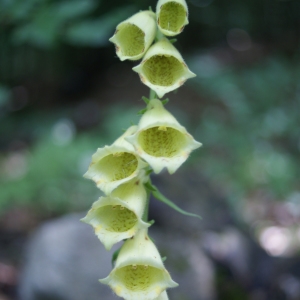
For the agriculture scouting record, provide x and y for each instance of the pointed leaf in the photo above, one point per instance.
(159, 196)
(150, 187)
(148, 172)
(115, 256)
(146, 100)
(165, 101)
(142, 111)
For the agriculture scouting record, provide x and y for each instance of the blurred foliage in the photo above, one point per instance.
(251, 127)
(4, 95)
(37, 36)
(47, 175)
(44, 23)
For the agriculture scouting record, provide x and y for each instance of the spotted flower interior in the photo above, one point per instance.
(172, 17)
(140, 278)
(161, 141)
(163, 70)
(114, 218)
(116, 166)
(130, 39)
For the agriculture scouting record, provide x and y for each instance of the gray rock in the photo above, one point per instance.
(64, 261)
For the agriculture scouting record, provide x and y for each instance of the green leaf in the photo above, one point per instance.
(150, 187)
(115, 256)
(165, 101)
(148, 171)
(142, 111)
(146, 100)
(159, 196)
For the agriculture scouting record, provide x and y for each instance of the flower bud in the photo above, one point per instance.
(134, 36)
(139, 272)
(115, 164)
(172, 16)
(163, 69)
(119, 216)
(161, 140)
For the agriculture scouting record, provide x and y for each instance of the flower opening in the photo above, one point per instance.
(134, 36)
(139, 272)
(163, 68)
(161, 140)
(171, 16)
(115, 164)
(119, 216)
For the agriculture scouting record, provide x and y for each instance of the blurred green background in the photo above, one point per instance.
(63, 93)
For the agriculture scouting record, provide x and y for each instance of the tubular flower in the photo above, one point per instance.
(171, 16)
(139, 272)
(161, 140)
(134, 36)
(118, 216)
(163, 68)
(115, 164)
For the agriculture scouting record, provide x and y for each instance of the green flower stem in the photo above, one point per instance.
(159, 36)
(152, 94)
(146, 211)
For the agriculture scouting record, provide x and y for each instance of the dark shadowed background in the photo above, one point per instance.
(64, 93)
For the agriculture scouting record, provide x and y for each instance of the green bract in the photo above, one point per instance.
(115, 164)
(163, 68)
(139, 272)
(134, 36)
(161, 140)
(171, 16)
(119, 216)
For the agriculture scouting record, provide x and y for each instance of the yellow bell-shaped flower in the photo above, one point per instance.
(139, 272)
(163, 68)
(134, 36)
(119, 216)
(161, 140)
(171, 16)
(115, 164)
